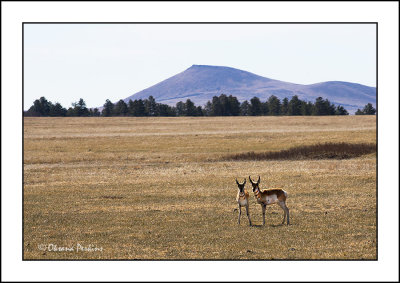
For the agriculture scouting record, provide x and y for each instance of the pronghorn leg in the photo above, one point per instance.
(282, 204)
(240, 213)
(248, 214)
(263, 212)
(287, 214)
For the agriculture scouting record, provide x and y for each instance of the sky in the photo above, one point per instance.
(66, 62)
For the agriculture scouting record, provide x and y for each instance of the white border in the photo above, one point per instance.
(386, 14)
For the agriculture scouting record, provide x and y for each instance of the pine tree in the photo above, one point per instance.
(216, 107)
(71, 112)
(234, 106)
(341, 111)
(265, 108)
(294, 108)
(306, 108)
(207, 111)
(180, 109)
(245, 108)
(189, 109)
(95, 112)
(131, 106)
(310, 108)
(199, 111)
(255, 106)
(108, 108)
(40, 107)
(136, 108)
(44, 106)
(165, 110)
(369, 109)
(320, 107)
(120, 108)
(285, 106)
(274, 105)
(224, 104)
(81, 109)
(57, 110)
(78, 109)
(151, 106)
(330, 108)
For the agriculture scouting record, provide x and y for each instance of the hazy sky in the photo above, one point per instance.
(65, 62)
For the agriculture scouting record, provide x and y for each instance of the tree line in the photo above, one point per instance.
(222, 105)
(367, 110)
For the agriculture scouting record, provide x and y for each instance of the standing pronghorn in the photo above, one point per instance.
(243, 200)
(270, 196)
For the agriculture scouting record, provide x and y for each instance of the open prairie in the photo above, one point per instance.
(161, 188)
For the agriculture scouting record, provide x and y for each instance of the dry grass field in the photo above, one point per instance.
(161, 188)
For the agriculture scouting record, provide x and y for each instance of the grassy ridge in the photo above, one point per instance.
(329, 150)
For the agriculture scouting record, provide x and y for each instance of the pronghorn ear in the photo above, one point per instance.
(258, 179)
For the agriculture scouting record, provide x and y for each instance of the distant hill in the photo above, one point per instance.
(200, 83)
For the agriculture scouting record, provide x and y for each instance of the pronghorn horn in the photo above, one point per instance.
(250, 180)
(244, 181)
(237, 181)
(258, 179)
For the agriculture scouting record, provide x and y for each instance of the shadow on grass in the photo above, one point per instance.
(269, 225)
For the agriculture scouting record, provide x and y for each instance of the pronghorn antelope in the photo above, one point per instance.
(243, 200)
(270, 196)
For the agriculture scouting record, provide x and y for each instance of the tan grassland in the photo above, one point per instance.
(156, 188)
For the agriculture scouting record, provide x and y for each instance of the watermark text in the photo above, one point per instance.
(72, 248)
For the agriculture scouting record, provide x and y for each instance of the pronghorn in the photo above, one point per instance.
(270, 196)
(243, 200)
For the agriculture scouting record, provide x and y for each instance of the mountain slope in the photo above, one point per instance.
(200, 83)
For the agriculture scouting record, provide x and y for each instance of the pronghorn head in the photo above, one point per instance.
(255, 184)
(241, 185)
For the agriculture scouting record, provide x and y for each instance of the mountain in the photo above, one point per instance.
(200, 83)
